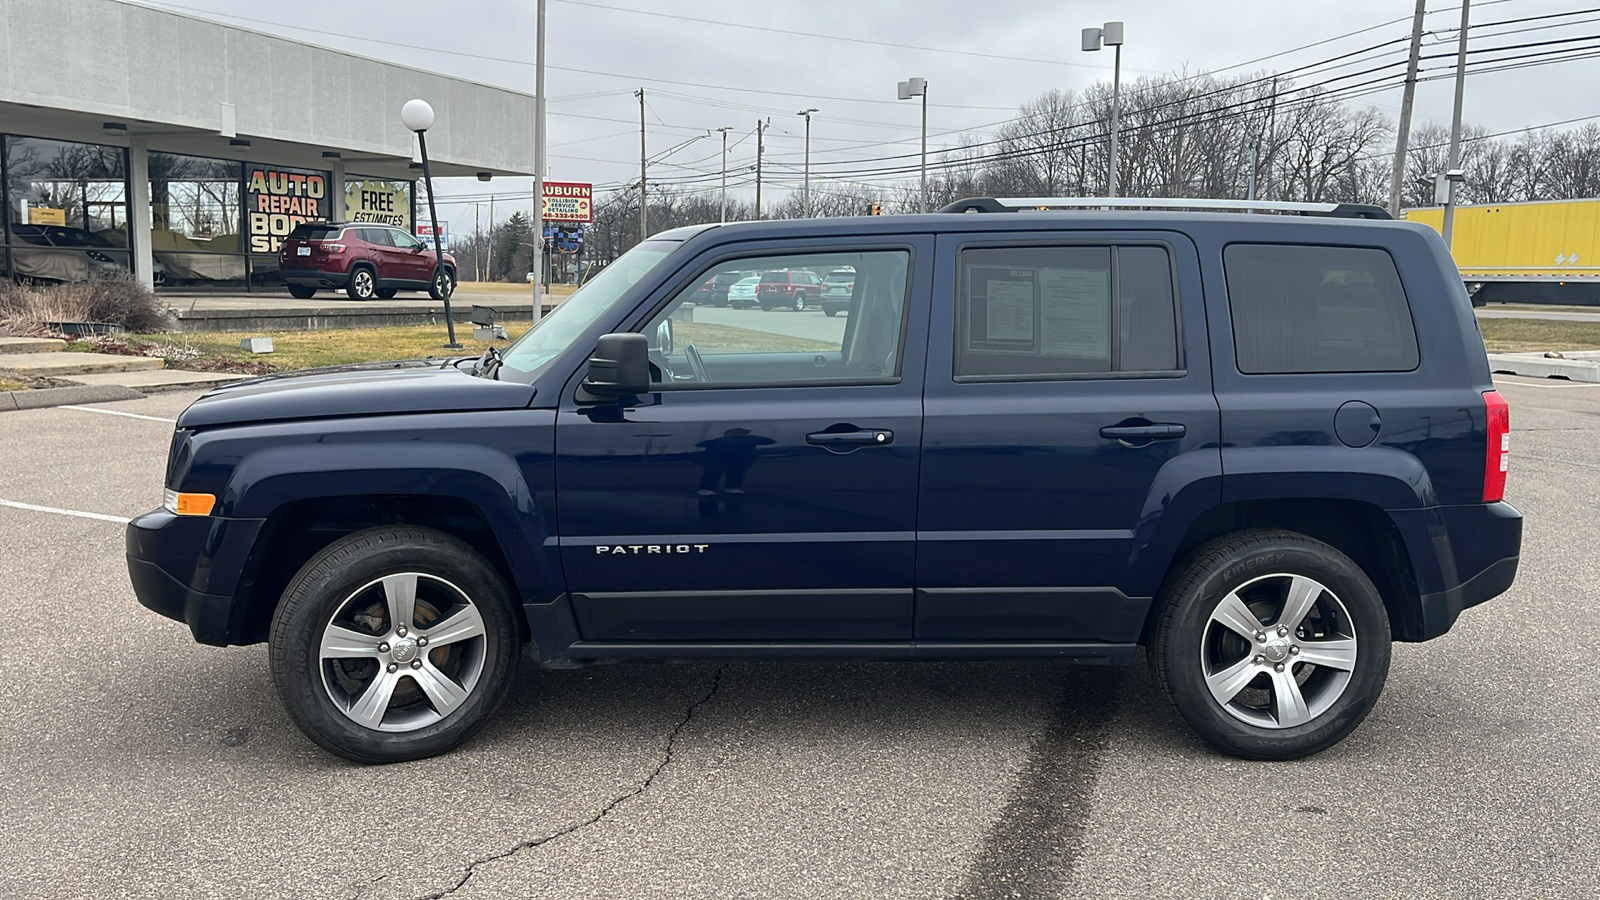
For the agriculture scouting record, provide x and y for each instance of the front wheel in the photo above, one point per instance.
(1270, 644)
(393, 643)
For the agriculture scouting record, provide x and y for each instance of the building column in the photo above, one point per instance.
(337, 188)
(139, 224)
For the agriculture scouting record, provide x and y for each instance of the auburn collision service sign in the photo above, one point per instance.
(568, 201)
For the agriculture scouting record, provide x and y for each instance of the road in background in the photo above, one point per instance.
(140, 764)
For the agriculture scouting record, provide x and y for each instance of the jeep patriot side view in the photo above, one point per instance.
(1262, 446)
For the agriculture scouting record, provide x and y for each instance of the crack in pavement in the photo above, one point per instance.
(666, 759)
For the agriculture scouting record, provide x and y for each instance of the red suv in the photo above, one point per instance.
(364, 259)
(797, 290)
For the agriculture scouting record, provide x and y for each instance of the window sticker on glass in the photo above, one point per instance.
(1075, 313)
(1002, 310)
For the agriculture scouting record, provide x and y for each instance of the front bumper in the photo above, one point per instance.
(188, 568)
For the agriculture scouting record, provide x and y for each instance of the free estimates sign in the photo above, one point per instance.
(568, 201)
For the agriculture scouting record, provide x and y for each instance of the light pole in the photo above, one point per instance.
(538, 173)
(418, 117)
(723, 215)
(1454, 174)
(1110, 34)
(918, 87)
(805, 190)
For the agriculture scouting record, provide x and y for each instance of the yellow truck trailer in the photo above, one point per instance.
(1539, 252)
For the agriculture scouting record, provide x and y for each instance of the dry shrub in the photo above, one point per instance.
(120, 300)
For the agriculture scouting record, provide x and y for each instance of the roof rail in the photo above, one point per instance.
(1017, 204)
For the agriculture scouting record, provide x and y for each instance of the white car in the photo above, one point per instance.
(742, 293)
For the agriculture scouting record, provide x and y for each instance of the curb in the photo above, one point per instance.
(40, 398)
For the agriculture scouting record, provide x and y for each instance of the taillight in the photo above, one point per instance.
(327, 247)
(1497, 459)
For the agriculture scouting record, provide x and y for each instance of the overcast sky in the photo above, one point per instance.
(981, 59)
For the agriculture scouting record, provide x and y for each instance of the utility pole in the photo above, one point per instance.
(761, 126)
(491, 237)
(1403, 132)
(477, 234)
(1455, 123)
(644, 215)
(723, 215)
(1255, 161)
(538, 174)
(805, 190)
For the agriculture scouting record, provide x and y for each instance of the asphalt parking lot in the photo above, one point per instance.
(136, 763)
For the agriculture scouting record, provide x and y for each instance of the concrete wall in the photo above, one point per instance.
(122, 62)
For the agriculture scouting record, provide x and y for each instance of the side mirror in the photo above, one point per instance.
(619, 367)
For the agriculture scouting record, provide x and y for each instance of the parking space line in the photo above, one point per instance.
(121, 520)
(118, 412)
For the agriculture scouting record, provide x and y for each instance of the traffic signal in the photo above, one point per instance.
(876, 209)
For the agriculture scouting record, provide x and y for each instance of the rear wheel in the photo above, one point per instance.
(799, 302)
(830, 312)
(387, 293)
(444, 284)
(1271, 645)
(302, 291)
(393, 643)
(363, 284)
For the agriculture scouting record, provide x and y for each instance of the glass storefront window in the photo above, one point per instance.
(194, 218)
(65, 213)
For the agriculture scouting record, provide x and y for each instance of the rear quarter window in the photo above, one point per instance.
(1300, 308)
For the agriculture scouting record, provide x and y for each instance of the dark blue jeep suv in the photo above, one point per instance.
(1262, 446)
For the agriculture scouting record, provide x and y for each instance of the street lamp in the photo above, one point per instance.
(723, 215)
(805, 191)
(418, 117)
(918, 87)
(1110, 34)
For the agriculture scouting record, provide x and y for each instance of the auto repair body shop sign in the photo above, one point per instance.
(567, 201)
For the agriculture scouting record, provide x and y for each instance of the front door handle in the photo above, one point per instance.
(865, 437)
(1151, 432)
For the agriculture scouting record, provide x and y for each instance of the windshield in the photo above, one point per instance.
(555, 332)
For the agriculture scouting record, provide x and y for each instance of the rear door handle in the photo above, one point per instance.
(865, 437)
(1152, 432)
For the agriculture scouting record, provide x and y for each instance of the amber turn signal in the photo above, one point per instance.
(189, 504)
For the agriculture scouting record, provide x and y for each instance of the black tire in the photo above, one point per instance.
(387, 293)
(799, 303)
(363, 283)
(302, 291)
(448, 577)
(830, 313)
(1327, 701)
(443, 284)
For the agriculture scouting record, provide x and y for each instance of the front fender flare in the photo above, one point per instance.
(492, 481)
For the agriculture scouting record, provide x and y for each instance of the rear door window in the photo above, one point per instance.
(1308, 309)
(377, 236)
(1061, 311)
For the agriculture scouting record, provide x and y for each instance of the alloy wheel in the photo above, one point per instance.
(402, 652)
(1278, 651)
